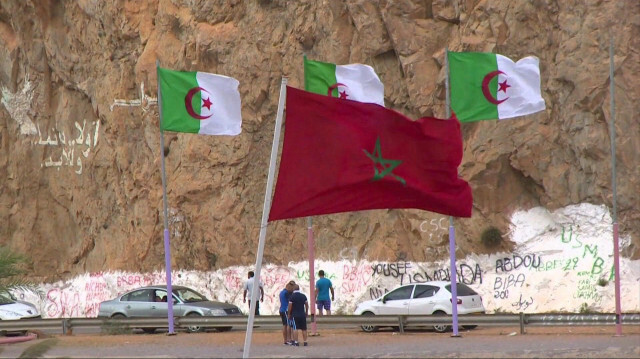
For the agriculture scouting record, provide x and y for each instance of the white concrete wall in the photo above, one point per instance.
(558, 261)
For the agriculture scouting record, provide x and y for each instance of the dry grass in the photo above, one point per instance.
(38, 350)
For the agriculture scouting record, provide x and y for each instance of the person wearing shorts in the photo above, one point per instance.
(297, 313)
(284, 306)
(323, 287)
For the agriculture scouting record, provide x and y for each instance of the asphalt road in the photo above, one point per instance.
(552, 342)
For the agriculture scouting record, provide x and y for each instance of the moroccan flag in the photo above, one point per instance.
(199, 102)
(355, 82)
(342, 156)
(486, 86)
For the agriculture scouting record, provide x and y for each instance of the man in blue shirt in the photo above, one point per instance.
(323, 286)
(297, 313)
(285, 294)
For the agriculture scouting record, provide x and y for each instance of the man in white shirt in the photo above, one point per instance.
(248, 287)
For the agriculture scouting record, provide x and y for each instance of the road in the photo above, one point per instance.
(546, 342)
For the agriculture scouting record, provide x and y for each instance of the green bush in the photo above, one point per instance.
(584, 309)
(491, 237)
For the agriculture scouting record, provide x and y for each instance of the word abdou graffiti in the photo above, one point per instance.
(516, 261)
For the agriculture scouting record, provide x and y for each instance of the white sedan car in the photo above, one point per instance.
(13, 309)
(423, 299)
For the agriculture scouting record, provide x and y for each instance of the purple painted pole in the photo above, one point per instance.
(616, 245)
(454, 285)
(312, 284)
(616, 261)
(167, 244)
(167, 264)
(452, 230)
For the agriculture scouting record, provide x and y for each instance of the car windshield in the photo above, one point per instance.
(7, 298)
(189, 295)
(463, 290)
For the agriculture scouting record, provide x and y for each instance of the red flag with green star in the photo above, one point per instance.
(343, 156)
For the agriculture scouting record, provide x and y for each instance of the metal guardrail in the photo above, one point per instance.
(66, 325)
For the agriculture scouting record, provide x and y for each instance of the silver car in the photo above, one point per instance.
(429, 298)
(152, 302)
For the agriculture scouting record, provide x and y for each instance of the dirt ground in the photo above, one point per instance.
(487, 342)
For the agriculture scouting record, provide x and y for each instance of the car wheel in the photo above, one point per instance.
(194, 328)
(223, 329)
(469, 327)
(118, 316)
(441, 328)
(369, 328)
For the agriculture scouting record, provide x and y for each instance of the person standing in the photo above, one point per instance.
(297, 313)
(285, 294)
(323, 287)
(248, 287)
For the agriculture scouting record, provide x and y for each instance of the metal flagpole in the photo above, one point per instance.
(452, 230)
(167, 245)
(616, 249)
(311, 248)
(265, 217)
(312, 283)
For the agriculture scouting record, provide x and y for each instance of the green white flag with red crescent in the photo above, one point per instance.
(199, 102)
(486, 86)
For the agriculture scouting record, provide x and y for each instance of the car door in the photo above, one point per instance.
(160, 308)
(396, 302)
(139, 303)
(423, 299)
(179, 307)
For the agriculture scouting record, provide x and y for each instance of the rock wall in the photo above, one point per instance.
(79, 140)
(560, 263)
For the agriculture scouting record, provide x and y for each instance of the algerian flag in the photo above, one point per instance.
(199, 102)
(487, 86)
(356, 82)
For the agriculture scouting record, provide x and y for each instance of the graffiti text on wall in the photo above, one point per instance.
(465, 273)
(74, 147)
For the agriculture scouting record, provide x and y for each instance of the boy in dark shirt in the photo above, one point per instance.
(297, 312)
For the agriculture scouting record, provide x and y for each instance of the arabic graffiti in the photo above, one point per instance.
(144, 101)
(73, 149)
(522, 304)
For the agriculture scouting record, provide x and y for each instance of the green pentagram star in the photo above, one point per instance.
(383, 166)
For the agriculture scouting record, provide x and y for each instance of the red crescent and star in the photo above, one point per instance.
(502, 86)
(342, 94)
(205, 103)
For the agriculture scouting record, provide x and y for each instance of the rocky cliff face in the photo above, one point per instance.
(81, 187)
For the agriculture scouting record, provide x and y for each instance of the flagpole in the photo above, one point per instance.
(452, 230)
(265, 217)
(167, 245)
(311, 247)
(616, 245)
